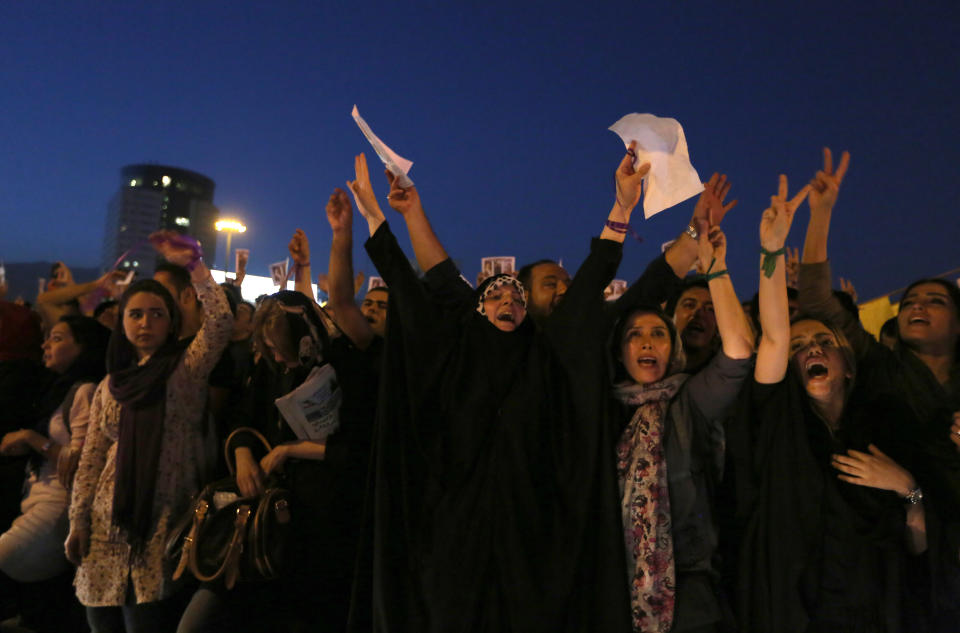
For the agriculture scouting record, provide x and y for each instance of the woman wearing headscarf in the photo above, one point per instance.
(494, 484)
(671, 451)
(140, 464)
(830, 510)
(923, 368)
(325, 476)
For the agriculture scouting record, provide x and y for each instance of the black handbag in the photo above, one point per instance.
(225, 535)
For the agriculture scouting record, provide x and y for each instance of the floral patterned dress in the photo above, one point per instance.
(111, 565)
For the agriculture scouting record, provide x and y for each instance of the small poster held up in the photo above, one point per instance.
(241, 257)
(313, 409)
(396, 164)
(278, 273)
(376, 282)
(615, 289)
(490, 266)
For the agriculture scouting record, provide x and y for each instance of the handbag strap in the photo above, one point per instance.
(229, 456)
(230, 567)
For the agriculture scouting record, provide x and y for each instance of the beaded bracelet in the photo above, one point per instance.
(617, 227)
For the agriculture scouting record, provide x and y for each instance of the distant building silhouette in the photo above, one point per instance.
(153, 197)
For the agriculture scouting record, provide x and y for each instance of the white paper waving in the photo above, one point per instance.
(398, 165)
(313, 409)
(660, 142)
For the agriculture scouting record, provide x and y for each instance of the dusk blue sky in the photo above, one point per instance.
(504, 109)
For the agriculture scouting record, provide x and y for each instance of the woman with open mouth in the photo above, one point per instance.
(494, 502)
(670, 452)
(923, 368)
(830, 514)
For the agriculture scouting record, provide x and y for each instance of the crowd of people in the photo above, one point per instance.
(521, 456)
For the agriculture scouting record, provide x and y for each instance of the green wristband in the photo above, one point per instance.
(770, 260)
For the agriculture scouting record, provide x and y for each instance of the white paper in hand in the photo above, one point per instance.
(313, 409)
(660, 142)
(398, 165)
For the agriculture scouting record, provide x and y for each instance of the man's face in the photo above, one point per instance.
(695, 319)
(374, 310)
(243, 322)
(548, 284)
(166, 281)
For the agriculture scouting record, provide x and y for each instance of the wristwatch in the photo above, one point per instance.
(691, 230)
(914, 497)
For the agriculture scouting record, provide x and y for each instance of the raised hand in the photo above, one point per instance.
(299, 248)
(63, 276)
(630, 180)
(776, 220)
(111, 279)
(323, 283)
(402, 200)
(712, 249)
(339, 211)
(847, 286)
(825, 185)
(710, 206)
(793, 267)
(176, 248)
(874, 470)
(362, 189)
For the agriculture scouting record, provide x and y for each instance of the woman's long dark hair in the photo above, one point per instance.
(88, 366)
(953, 292)
(121, 353)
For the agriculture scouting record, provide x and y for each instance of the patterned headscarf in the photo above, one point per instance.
(493, 284)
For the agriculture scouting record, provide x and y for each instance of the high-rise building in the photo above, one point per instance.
(153, 197)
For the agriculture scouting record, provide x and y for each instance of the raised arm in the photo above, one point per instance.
(735, 333)
(363, 195)
(426, 246)
(774, 351)
(299, 248)
(210, 341)
(815, 286)
(340, 277)
(629, 187)
(824, 189)
(711, 209)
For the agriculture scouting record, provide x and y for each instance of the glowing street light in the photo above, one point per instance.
(230, 227)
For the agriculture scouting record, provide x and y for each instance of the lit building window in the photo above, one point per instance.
(182, 221)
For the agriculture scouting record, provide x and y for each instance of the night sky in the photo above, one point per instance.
(504, 109)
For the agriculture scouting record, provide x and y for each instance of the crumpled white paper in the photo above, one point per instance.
(660, 142)
(398, 165)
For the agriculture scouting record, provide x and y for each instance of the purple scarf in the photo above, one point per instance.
(141, 391)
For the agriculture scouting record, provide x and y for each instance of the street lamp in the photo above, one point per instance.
(230, 227)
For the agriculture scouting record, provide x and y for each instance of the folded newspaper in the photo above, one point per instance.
(313, 409)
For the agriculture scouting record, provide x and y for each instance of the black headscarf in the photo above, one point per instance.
(141, 390)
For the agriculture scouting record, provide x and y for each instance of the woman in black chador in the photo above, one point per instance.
(495, 504)
(831, 515)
